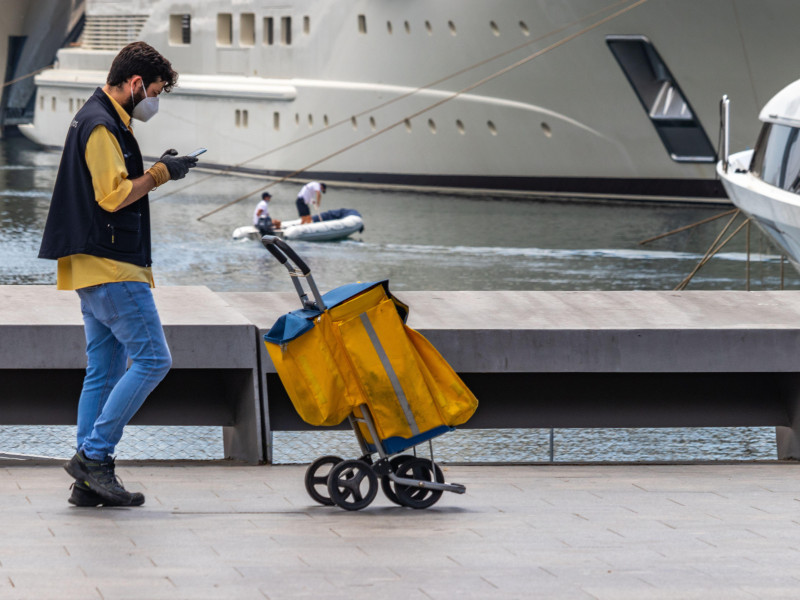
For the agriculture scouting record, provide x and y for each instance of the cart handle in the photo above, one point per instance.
(275, 245)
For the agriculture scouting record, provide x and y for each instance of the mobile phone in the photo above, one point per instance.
(197, 152)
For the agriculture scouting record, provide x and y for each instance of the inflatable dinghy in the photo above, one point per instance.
(330, 225)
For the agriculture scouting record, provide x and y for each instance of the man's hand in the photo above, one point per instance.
(178, 166)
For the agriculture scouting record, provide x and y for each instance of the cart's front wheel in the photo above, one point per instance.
(317, 478)
(352, 484)
(386, 483)
(420, 469)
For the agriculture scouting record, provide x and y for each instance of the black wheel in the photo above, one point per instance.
(386, 483)
(420, 469)
(317, 479)
(352, 484)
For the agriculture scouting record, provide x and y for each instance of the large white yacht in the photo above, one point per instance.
(579, 97)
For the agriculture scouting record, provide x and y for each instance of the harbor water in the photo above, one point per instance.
(419, 241)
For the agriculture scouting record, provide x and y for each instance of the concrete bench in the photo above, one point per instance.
(214, 379)
(600, 359)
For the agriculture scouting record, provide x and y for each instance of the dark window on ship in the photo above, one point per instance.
(180, 30)
(362, 24)
(306, 25)
(269, 31)
(247, 29)
(776, 158)
(286, 31)
(224, 29)
(662, 99)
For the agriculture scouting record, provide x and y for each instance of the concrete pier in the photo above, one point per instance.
(533, 359)
(519, 532)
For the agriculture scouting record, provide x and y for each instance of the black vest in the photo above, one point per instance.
(76, 224)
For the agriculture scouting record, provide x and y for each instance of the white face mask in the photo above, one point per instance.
(147, 108)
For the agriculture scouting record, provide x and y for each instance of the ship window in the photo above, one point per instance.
(372, 123)
(276, 121)
(492, 128)
(662, 99)
(41, 102)
(238, 118)
(389, 27)
(362, 24)
(310, 120)
(71, 105)
(452, 27)
(408, 125)
(244, 119)
(524, 28)
(460, 127)
(354, 123)
(546, 129)
(269, 31)
(53, 103)
(180, 30)
(776, 158)
(306, 25)
(407, 26)
(495, 29)
(428, 27)
(247, 29)
(432, 125)
(286, 31)
(224, 29)
(325, 120)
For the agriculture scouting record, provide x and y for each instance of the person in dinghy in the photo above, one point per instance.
(262, 221)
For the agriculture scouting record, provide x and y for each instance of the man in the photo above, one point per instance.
(265, 224)
(311, 193)
(98, 228)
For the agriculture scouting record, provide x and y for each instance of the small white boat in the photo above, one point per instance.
(328, 226)
(765, 182)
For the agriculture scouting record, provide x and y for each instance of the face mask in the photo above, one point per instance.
(147, 108)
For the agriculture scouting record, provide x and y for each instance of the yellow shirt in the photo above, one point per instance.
(111, 187)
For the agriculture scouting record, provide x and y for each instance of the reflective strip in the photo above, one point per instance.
(398, 390)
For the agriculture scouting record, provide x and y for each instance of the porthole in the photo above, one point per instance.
(492, 128)
(460, 126)
(297, 118)
(310, 120)
(408, 125)
(372, 123)
(407, 26)
(354, 123)
(325, 120)
(389, 27)
(428, 27)
(546, 130)
(495, 28)
(432, 126)
(452, 27)
(276, 121)
(525, 31)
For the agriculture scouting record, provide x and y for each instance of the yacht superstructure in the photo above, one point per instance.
(611, 98)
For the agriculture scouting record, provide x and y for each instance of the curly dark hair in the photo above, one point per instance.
(141, 59)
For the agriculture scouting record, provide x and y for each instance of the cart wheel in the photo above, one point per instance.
(314, 478)
(386, 483)
(421, 470)
(346, 484)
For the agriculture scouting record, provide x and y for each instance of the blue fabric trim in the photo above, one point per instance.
(396, 444)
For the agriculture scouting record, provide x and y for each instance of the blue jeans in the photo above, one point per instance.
(120, 320)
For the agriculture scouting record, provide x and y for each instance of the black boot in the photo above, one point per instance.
(100, 478)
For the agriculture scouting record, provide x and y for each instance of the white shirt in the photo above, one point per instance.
(309, 192)
(263, 206)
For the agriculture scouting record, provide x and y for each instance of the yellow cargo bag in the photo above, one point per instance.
(359, 351)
